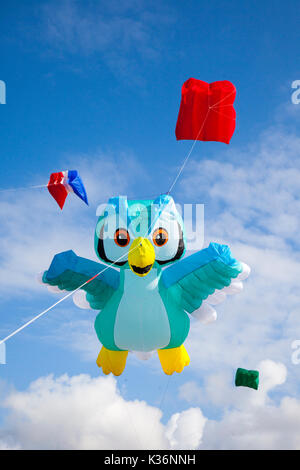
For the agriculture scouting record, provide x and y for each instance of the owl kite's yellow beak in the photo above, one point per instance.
(141, 256)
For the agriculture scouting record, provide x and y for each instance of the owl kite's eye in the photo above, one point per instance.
(160, 237)
(122, 237)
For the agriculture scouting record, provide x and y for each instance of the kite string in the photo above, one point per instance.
(23, 188)
(216, 110)
(29, 187)
(188, 155)
(48, 309)
(58, 302)
(199, 132)
(223, 99)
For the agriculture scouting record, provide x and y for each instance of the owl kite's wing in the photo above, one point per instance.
(203, 279)
(69, 271)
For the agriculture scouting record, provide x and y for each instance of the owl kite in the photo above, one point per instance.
(146, 290)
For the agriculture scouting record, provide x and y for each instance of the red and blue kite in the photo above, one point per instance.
(65, 182)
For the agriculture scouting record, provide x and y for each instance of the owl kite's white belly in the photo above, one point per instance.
(141, 322)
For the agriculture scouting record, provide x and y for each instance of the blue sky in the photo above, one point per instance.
(96, 87)
(66, 95)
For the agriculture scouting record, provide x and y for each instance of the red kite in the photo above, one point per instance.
(206, 111)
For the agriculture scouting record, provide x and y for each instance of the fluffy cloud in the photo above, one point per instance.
(81, 412)
(185, 429)
(267, 427)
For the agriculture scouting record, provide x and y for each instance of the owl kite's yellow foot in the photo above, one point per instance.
(112, 361)
(174, 359)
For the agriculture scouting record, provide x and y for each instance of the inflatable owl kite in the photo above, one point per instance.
(146, 290)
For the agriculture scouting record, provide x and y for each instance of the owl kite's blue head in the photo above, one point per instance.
(140, 233)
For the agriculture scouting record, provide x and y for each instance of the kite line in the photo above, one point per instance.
(210, 108)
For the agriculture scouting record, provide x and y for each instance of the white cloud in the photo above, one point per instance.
(267, 427)
(81, 412)
(272, 374)
(185, 429)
